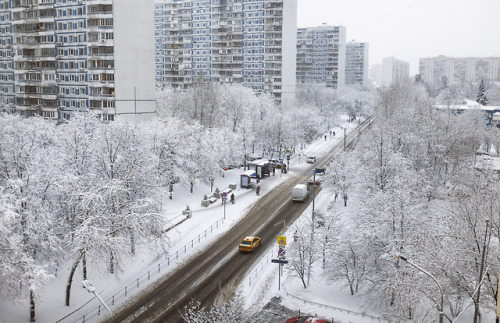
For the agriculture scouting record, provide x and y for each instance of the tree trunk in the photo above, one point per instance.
(84, 265)
(32, 306)
(112, 263)
(303, 281)
(324, 251)
(132, 241)
(70, 279)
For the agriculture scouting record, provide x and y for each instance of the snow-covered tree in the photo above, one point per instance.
(28, 175)
(302, 251)
(125, 165)
(481, 94)
(229, 311)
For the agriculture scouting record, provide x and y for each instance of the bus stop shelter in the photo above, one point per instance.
(246, 177)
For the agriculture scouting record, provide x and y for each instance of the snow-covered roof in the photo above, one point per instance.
(248, 173)
(259, 162)
(469, 105)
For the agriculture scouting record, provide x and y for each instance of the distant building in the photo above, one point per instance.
(375, 73)
(356, 66)
(63, 56)
(394, 71)
(321, 55)
(229, 41)
(460, 70)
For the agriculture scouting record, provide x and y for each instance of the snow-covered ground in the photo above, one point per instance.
(205, 225)
(259, 286)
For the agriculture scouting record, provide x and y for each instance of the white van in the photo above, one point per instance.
(300, 193)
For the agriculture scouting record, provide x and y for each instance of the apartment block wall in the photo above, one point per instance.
(460, 69)
(228, 41)
(321, 55)
(394, 70)
(134, 65)
(356, 70)
(7, 52)
(289, 61)
(62, 56)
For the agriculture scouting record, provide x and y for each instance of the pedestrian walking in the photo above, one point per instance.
(325, 137)
(232, 198)
(257, 190)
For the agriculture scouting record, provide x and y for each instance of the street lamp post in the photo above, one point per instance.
(476, 310)
(91, 289)
(434, 279)
(314, 195)
(344, 138)
(224, 198)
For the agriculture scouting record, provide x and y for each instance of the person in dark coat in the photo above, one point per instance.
(232, 198)
(257, 190)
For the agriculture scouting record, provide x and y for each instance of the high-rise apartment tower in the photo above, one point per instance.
(249, 42)
(356, 66)
(460, 70)
(60, 56)
(321, 55)
(394, 70)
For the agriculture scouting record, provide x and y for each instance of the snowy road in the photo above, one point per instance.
(219, 267)
(217, 271)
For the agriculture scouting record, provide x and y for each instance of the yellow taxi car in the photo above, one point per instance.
(248, 244)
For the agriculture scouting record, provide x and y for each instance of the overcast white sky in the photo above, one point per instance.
(411, 29)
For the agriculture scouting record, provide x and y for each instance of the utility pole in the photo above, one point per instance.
(314, 195)
(440, 309)
(483, 254)
(344, 138)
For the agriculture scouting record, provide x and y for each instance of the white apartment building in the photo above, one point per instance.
(251, 42)
(321, 55)
(61, 56)
(394, 71)
(356, 66)
(460, 69)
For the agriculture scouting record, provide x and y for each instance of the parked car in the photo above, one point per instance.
(249, 244)
(311, 159)
(319, 179)
(276, 163)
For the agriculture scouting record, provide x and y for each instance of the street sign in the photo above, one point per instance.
(281, 252)
(282, 240)
(279, 261)
(224, 194)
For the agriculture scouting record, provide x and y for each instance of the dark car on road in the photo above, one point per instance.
(306, 319)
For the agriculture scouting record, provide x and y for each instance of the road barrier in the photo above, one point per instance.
(159, 264)
(363, 314)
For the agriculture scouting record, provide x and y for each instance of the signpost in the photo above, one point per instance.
(282, 240)
(281, 257)
(224, 199)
